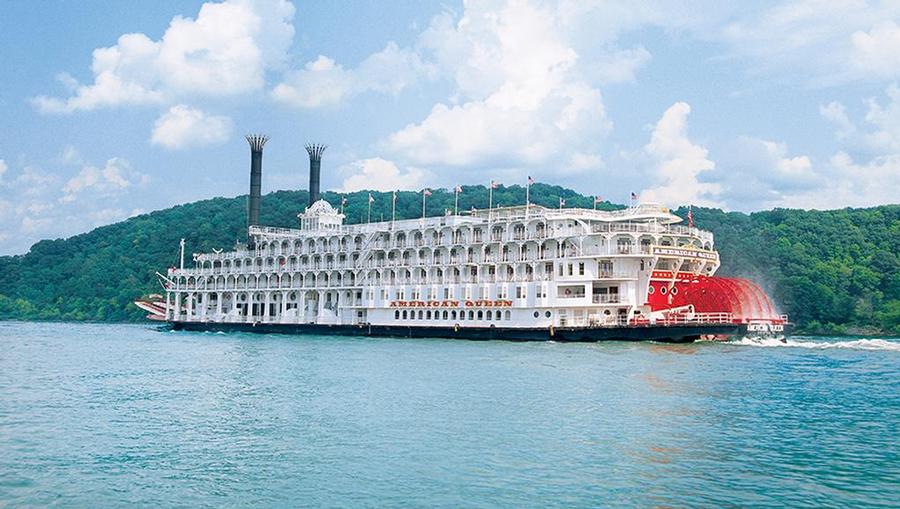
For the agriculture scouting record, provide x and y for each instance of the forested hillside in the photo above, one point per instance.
(834, 271)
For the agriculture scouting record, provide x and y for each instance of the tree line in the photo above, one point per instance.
(835, 271)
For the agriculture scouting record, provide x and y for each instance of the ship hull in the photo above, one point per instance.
(668, 333)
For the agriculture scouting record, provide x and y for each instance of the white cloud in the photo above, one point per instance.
(878, 50)
(756, 173)
(323, 82)
(115, 176)
(880, 133)
(182, 126)
(3, 168)
(37, 204)
(378, 174)
(829, 40)
(519, 100)
(225, 50)
(836, 113)
(679, 163)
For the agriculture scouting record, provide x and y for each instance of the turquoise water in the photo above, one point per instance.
(128, 416)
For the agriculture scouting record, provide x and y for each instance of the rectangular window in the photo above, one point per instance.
(580, 268)
(570, 269)
(501, 292)
(446, 293)
(520, 292)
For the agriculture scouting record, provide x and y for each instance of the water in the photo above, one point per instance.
(124, 416)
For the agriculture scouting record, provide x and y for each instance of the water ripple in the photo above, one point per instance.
(118, 416)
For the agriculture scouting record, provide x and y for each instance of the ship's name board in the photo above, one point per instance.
(451, 303)
(684, 253)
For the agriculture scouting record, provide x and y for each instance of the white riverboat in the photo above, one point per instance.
(520, 273)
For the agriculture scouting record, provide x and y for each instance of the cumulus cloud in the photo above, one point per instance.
(3, 168)
(831, 41)
(323, 82)
(520, 100)
(679, 163)
(37, 203)
(878, 50)
(378, 174)
(881, 131)
(225, 50)
(115, 176)
(182, 126)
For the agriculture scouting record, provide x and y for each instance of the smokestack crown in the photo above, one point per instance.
(315, 151)
(257, 141)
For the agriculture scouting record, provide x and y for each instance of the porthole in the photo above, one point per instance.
(650, 290)
(674, 290)
(547, 314)
(607, 312)
(662, 290)
(536, 314)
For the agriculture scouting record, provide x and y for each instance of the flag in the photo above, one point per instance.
(494, 184)
(562, 202)
(458, 189)
(426, 192)
(344, 200)
(530, 180)
(634, 196)
(597, 200)
(690, 216)
(371, 199)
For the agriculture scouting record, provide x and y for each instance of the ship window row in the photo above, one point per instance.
(470, 315)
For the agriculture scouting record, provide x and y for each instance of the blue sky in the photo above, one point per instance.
(111, 109)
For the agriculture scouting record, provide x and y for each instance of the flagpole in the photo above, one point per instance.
(393, 208)
(527, 196)
(491, 202)
(369, 216)
(423, 204)
(456, 202)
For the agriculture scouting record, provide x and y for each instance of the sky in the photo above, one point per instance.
(110, 109)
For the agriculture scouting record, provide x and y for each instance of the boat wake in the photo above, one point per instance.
(858, 344)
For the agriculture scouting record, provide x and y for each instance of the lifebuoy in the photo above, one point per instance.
(568, 291)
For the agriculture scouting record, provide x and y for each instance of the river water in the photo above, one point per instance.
(131, 416)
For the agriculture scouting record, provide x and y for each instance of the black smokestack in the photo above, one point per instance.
(256, 141)
(315, 164)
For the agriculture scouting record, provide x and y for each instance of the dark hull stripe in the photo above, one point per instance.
(672, 334)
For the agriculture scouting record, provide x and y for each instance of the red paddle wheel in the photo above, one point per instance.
(742, 298)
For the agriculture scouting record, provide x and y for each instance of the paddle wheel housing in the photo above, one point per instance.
(742, 298)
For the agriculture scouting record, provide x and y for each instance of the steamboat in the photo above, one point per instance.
(514, 273)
